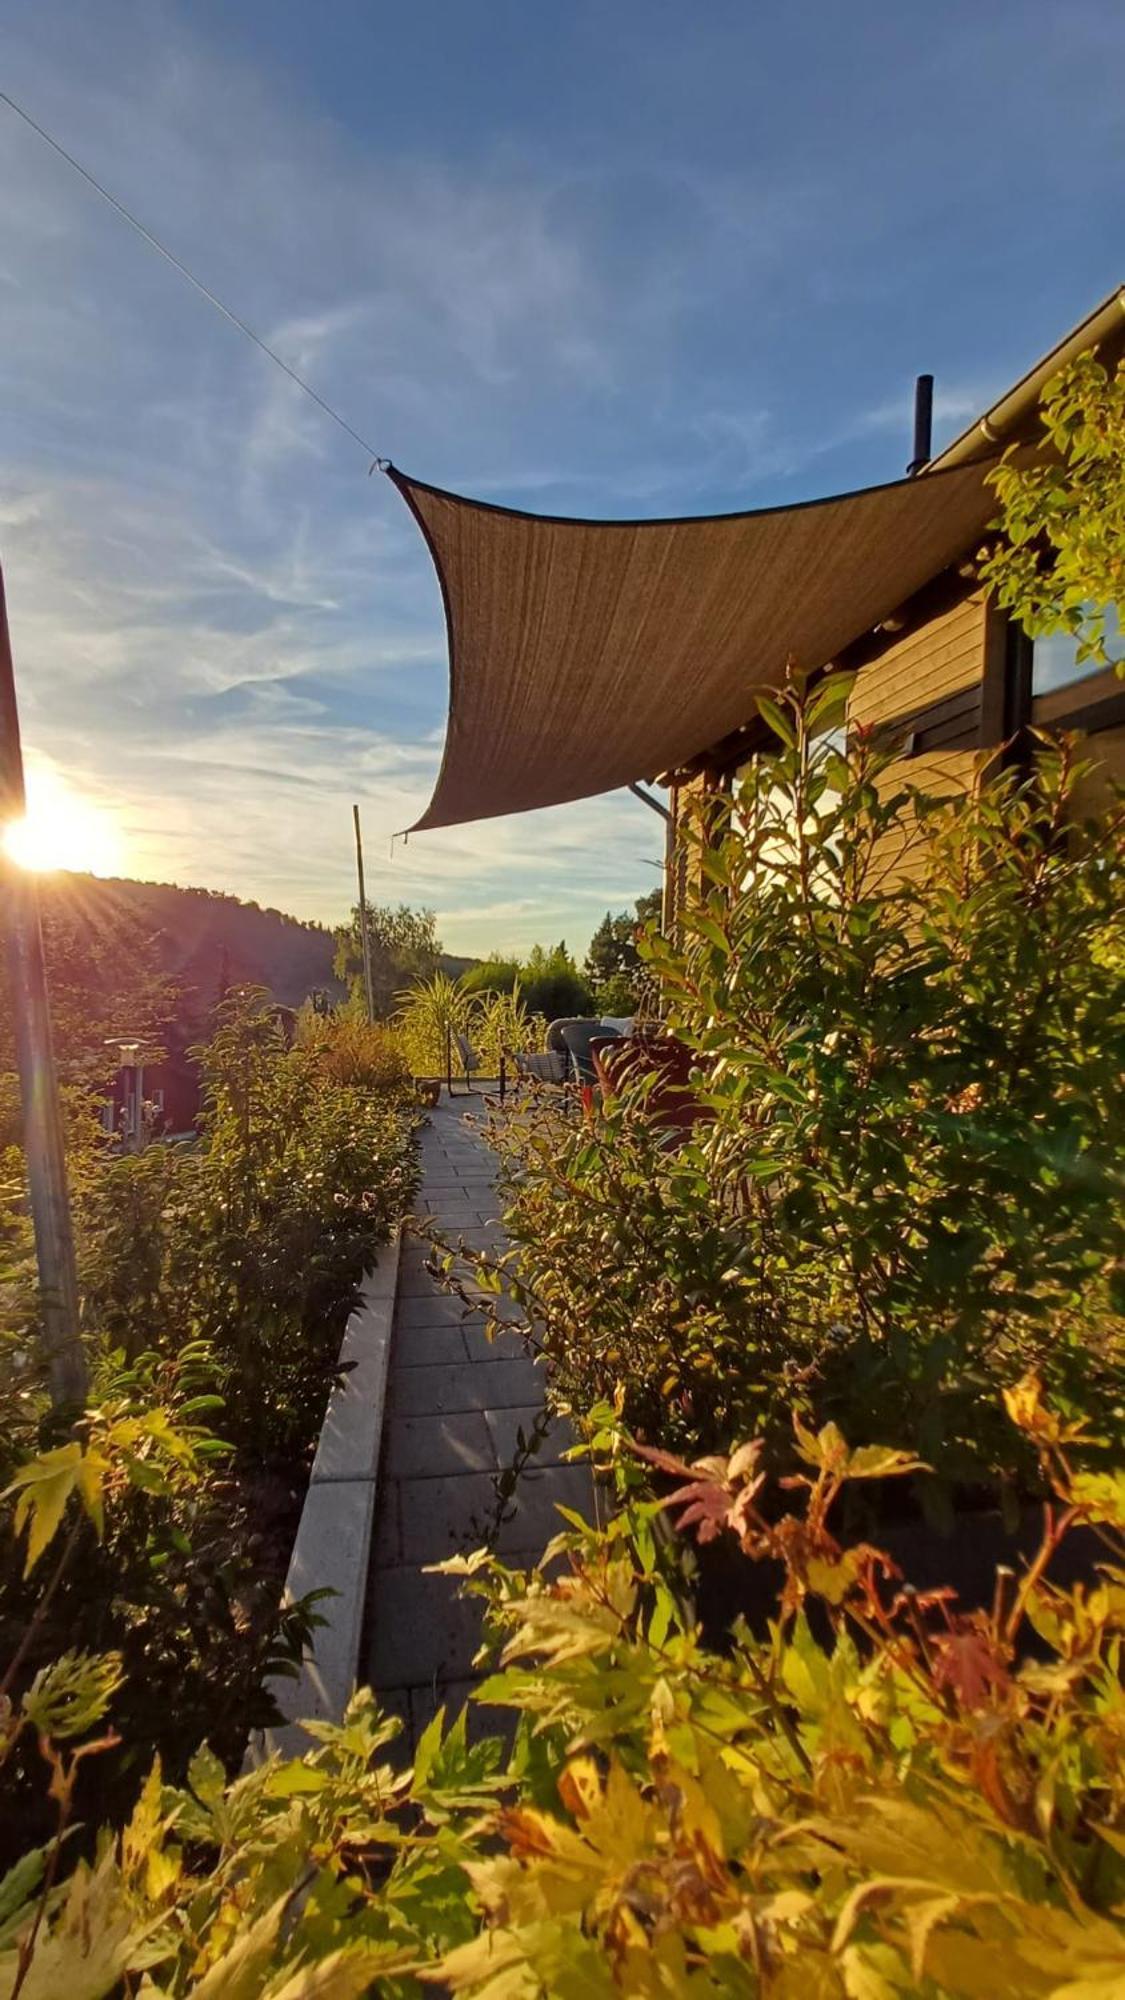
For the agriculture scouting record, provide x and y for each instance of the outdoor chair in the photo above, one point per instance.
(545, 1066)
(579, 1038)
(566, 1058)
(468, 1058)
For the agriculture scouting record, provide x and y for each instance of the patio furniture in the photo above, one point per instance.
(468, 1058)
(566, 1057)
(578, 1038)
(547, 1066)
(671, 1101)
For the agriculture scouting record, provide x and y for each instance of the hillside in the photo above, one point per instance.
(206, 939)
(202, 939)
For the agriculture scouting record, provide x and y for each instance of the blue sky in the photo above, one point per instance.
(631, 258)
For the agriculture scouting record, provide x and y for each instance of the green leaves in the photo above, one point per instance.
(45, 1486)
(875, 1802)
(873, 1169)
(1073, 508)
(68, 1697)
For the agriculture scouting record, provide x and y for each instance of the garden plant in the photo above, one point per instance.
(887, 1251)
(216, 1280)
(903, 1188)
(883, 1795)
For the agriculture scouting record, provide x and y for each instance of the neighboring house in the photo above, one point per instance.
(170, 1099)
(947, 674)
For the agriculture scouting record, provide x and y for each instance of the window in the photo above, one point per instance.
(1053, 662)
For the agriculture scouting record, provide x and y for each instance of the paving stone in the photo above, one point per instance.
(495, 1304)
(443, 1517)
(438, 1309)
(469, 1385)
(455, 1405)
(446, 1516)
(504, 1428)
(485, 1236)
(418, 1284)
(437, 1444)
(386, 1548)
(420, 1627)
(427, 1346)
(500, 1347)
(450, 1216)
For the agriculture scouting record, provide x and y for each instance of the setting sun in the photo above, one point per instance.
(63, 830)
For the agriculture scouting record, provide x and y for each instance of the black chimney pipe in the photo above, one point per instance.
(923, 423)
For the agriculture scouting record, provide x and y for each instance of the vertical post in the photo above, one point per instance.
(39, 1090)
(923, 424)
(364, 939)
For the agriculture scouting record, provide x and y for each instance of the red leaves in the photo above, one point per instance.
(717, 1493)
(970, 1661)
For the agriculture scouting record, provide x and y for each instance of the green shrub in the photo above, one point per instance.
(227, 1269)
(157, 1562)
(352, 1050)
(1058, 560)
(493, 975)
(620, 982)
(922, 1800)
(905, 1187)
(256, 1239)
(496, 1024)
(553, 985)
(884, 1795)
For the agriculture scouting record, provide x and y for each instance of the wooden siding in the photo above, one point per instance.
(1108, 749)
(930, 681)
(685, 876)
(930, 664)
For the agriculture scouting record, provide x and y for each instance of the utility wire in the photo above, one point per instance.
(154, 242)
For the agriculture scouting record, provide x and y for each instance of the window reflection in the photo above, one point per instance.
(1053, 662)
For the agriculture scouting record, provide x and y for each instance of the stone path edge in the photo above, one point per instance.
(333, 1542)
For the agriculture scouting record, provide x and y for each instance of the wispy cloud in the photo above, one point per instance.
(687, 285)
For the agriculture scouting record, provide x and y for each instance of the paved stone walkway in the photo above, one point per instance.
(456, 1403)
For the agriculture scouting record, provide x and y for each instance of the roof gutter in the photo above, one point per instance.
(1103, 329)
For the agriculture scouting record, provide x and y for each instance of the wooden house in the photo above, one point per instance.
(946, 673)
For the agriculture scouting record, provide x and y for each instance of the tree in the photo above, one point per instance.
(613, 964)
(493, 975)
(404, 949)
(551, 983)
(106, 980)
(1060, 563)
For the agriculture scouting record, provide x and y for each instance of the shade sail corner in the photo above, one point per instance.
(585, 655)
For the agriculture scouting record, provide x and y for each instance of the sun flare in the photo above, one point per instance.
(63, 830)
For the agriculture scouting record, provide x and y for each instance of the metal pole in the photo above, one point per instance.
(363, 937)
(39, 1090)
(923, 423)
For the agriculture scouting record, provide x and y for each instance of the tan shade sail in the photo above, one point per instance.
(584, 655)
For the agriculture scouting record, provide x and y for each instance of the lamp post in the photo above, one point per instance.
(131, 1058)
(39, 1088)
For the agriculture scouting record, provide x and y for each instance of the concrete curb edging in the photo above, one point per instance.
(333, 1543)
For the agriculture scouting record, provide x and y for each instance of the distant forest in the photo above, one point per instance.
(152, 960)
